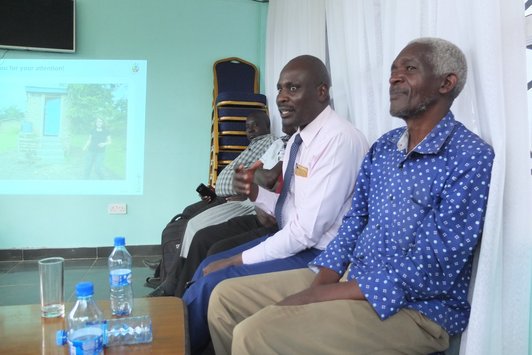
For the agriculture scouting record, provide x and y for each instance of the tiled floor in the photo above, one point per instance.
(19, 280)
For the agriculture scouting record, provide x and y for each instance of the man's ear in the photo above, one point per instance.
(323, 92)
(448, 83)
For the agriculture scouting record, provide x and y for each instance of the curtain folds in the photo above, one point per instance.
(294, 28)
(359, 39)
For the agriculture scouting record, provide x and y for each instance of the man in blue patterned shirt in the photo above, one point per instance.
(405, 248)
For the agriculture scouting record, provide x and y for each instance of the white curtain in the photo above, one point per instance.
(364, 36)
(294, 28)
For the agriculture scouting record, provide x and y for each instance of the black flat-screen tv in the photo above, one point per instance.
(42, 25)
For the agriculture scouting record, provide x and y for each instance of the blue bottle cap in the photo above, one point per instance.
(120, 241)
(84, 289)
(61, 337)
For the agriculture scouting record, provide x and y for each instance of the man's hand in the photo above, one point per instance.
(348, 290)
(269, 178)
(207, 199)
(264, 218)
(300, 298)
(222, 264)
(325, 287)
(243, 180)
(205, 196)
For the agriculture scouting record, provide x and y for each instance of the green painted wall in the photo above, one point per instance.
(180, 39)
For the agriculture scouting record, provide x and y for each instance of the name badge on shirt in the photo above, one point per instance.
(301, 170)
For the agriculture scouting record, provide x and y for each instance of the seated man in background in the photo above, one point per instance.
(235, 232)
(406, 245)
(250, 219)
(319, 177)
(258, 133)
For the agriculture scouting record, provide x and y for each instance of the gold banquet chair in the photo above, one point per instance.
(235, 96)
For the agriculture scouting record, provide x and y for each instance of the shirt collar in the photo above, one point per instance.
(311, 130)
(285, 139)
(432, 142)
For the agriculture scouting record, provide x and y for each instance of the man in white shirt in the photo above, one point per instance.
(319, 179)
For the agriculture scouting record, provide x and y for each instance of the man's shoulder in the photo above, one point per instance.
(262, 141)
(466, 140)
(265, 137)
(281, 140)
(276, 146)
(338, 125)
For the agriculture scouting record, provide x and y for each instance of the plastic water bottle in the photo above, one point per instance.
(121, 331)
(120, 279)
(128, 330)
(85, 323)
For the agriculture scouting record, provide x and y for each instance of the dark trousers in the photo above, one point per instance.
(209, 240)
(218, 238)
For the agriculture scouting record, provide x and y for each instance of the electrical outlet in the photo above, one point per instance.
(117, 208)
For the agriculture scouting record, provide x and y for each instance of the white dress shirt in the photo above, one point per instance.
(327, 164)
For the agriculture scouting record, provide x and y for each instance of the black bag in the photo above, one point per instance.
(171, 243)
(173, 233)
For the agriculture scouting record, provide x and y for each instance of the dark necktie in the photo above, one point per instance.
(287, 179)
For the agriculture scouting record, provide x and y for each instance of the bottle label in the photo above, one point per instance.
(120, 277)
(87, 340)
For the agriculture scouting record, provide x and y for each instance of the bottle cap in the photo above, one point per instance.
(120, 241)
(61, 337)
(84, 289)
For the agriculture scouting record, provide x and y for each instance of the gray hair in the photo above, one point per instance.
(446, 58)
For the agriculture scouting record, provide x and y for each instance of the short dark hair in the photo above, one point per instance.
(260, 117)
(316, 68)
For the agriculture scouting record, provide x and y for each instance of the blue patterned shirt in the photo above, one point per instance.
(414, 223)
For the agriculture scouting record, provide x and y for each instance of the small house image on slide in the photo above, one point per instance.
(44, 132)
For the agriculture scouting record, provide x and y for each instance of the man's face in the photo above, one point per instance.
(297, 97)
(254, 129)
(413, 85)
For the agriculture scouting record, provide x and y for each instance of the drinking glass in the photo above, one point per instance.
(51, 277)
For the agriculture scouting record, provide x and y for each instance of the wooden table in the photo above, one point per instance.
(23, 331)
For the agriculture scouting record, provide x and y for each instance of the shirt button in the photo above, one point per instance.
(378, 227)
(390, 197)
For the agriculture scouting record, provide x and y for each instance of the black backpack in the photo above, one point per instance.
(173, 233)
(171, 239)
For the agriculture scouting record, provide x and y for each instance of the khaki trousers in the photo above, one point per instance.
(243, 319)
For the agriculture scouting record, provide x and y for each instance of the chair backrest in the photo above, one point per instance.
(235, 75)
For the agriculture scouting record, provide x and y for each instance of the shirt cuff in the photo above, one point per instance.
(254, 255)
(323, 260)
(315, 265)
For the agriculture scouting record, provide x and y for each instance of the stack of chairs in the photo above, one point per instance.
(235, 95)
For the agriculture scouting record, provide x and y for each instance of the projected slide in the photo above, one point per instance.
(72, 126)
